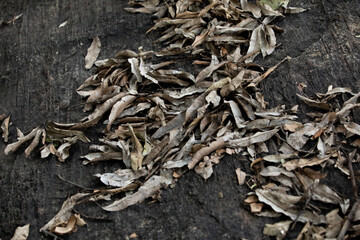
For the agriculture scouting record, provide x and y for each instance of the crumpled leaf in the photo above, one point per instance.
(213, 98)
(299, 138)
(63, 151)
(150, 187)
(45, 152)
(92, 53)
(204, 169)
(267, 10)
(71, 225)
(262, 40)
(134, 62)
(120, 178)
(63, 216)
(254, 9)
(21, 233)
(68, 228)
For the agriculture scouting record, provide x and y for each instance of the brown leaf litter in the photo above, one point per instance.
(163, 121)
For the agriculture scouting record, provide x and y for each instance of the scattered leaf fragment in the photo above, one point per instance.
(5, 129)
(21, 233)
(63, 24)
(240, 176)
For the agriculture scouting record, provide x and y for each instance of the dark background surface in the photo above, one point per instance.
(41, 65)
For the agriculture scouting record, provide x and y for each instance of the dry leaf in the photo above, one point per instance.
(150, 187)
(240, 176)
(68, 228)
(198, 156)
(286, 204)
(97, 157)
(21, 140)
(118, 108)
(315, 104)
(256, 207)
(79, 220)
(34, 143)
(58, 132)
(21, 233)
(206, 72)
(136, 156)
(334, 223)
(63, 216)
(352, 128)
(121, 178)
(302, 162)
(92, 53)
(204, 169)
(278, 230)
(5, 129)
(256, 138)
(272, 171)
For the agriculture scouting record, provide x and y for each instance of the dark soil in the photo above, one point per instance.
(41, 65)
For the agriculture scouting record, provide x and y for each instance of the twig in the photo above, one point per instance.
(352, 175)
(354, 208)
(348, 220)
(75, 184)
(129, 187)
(93, 218)
(47, 233)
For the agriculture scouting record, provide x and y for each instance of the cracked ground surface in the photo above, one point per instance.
(41, 65)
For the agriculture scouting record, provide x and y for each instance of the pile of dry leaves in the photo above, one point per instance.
(161, 121)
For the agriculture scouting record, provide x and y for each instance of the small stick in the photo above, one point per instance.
(354, 208)
(129, 187)
(75, 184)
(94, 218)
(347, 222)
(352, 175)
